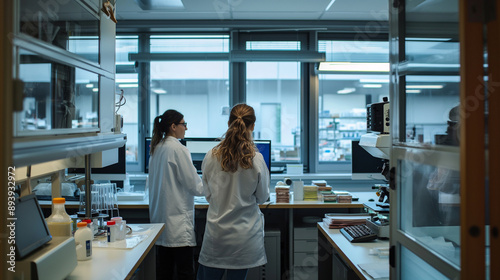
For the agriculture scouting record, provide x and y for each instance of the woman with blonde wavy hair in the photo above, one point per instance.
(235, 180)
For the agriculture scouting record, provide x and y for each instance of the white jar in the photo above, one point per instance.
(83, 240)
(112, 231)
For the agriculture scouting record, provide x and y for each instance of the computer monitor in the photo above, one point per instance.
(264, 147)
(199, 147)
(364, 165)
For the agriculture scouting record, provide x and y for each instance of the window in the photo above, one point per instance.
(273, 90)
(199, 89)
(192, 73)
(128, 105)
(343, 96)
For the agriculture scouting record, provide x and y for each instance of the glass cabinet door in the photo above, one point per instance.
(56, 96)
(425, 102)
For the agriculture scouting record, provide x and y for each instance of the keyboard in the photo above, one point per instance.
(358, 233)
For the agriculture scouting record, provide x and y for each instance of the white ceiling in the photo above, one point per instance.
(312, 10)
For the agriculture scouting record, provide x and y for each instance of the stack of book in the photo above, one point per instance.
(282, 194)
(340, 221)
(310, 193)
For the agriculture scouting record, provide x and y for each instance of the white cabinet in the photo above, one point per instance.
(305, 253)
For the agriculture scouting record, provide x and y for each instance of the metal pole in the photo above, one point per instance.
(88, 192)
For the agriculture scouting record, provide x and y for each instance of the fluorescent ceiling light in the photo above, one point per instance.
(127, 80)
(346, 91)
(89, 85)
(95, 89)
(128, 85)
(413, 91)
(159, 91)
(353, 67)
(329, 5)
(160, 4)
(385, 81)
(372, 86)
(425, 86)
(427, 39)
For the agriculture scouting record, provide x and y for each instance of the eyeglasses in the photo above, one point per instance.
(185, 124)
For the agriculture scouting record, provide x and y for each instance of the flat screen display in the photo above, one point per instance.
(31, 229)
(364, 165)
(200, 146)
(264, 147)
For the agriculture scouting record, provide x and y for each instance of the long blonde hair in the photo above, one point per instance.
(237, 148)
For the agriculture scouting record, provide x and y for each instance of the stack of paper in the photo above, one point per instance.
(311, 193)
(340, 221)
(282, 194)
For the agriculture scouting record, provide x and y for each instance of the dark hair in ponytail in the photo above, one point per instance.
(161, 127)
(237, 148)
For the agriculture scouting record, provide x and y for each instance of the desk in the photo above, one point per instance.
(353, 254)
(109, 263)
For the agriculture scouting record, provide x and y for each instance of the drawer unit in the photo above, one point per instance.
(305, 253)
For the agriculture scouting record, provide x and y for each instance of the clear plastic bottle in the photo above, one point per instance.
(120, 228)
(59, 222)
(83, 240)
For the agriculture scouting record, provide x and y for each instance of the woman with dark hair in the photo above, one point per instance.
(236, 180)
(173, 183)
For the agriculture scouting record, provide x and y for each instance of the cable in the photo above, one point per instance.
(121, 101)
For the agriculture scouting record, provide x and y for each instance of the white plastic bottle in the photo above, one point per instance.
(83, 240)
(112, 231)
(59, 222)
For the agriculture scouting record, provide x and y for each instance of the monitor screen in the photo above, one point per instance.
(364, 165)
(198, 147)
(31, 230)
(264, 147)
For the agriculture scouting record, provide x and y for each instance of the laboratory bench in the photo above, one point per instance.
(122, 263)
(293, 224)
(340, 259)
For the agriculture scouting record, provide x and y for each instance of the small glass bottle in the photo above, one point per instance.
(83, 240)
(59, 222)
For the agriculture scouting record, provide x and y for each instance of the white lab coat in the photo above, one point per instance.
(173, 183)
(234, 233)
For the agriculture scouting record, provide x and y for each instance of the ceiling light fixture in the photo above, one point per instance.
(354, 66)
(329, 5)
(425, 86)
(385, 81)
(372, 86)
(413, 91)
(159, 91)
(346, 90)
(128, 85)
